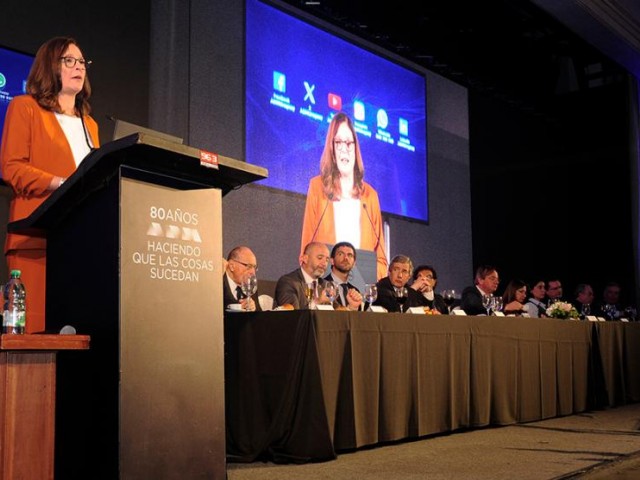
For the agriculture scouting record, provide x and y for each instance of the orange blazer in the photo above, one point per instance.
(34, 150)
(371, 232)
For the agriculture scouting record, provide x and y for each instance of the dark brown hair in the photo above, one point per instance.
(328, 167)
(44, 82)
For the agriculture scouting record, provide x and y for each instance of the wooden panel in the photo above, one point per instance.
(27, 408)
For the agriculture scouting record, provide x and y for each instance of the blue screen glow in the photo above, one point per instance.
(14, 69)
(298, 75)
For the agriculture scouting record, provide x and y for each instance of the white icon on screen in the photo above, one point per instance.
(279, 82)
(403, 126)
(309, 95)
(358, 110)
(383, 119)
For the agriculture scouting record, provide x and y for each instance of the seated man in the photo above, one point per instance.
(291, 287)
(486, 283)
(400, 270)
(424, 282)
(343, 259)
(240, 264)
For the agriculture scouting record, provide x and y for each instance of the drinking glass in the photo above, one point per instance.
(586, 310)
(449, 297)
(331, 291)
(486, 303)
(308, 292)
(496, 304)
(249, 286)
(370, 293)
(401, 297)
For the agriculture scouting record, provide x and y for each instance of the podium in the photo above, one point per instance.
(134, 249)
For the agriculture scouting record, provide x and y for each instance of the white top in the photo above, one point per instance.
(531, 307)
(72, 128)
(346, 214)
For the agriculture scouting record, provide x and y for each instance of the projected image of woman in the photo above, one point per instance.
(340, 205)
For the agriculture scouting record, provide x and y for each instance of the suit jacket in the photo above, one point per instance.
(290, 288)
(471, 301)
(228, 296)
(437, 303)
(34, 150)
(318, 214)
(387, 297)
(339, 298)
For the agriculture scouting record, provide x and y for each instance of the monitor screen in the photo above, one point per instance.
(299, 73)
(14, 70)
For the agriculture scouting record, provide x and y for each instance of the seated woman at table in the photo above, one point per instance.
(514, 298)
(424, 282)
(536, 306)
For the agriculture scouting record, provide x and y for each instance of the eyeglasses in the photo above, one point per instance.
(246, 265)
(344, 144)
(70, 62)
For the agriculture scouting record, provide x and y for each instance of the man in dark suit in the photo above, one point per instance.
(400, 271)
(343, 259)
(485, 284)
(291, 288)
(241, 264)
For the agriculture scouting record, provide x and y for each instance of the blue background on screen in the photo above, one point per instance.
(14, 70)
(296, 76)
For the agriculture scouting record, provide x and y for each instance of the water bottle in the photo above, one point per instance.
(14, 316)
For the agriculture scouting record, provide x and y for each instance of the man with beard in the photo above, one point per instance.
(343, 259)
(291, 287)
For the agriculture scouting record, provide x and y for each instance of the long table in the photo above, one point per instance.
(304, 385)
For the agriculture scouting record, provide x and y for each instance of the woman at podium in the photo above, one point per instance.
(47, 133)
(340, 205)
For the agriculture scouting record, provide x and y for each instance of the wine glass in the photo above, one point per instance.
(249, 286)
(486, 303)
(331, 291)
(585, 310)
(449, 297)
(370, 293)
(496, 304)
(313, 292)
(401, 297)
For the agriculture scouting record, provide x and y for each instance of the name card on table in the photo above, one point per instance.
(419, 310)
(498, 314)
(458, 311)
(592, 318)
(377, 309)
(624, 319)
(602, 319)
(324, 307)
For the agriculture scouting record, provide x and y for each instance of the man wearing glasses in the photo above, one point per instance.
(241, 264)
(554, 291)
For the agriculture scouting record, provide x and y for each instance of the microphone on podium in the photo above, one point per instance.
(375, 233)
(315, 232)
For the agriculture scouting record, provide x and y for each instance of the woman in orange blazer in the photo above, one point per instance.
(47, 133)
(340, 205)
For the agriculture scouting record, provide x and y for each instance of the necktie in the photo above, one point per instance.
(345, 289)
(239, 294)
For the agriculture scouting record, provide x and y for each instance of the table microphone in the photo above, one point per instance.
(329, 198)
(373, 227)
